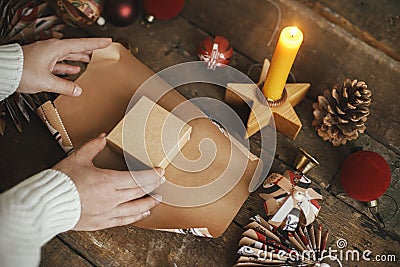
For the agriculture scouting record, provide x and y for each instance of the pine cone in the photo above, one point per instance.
(340, 114)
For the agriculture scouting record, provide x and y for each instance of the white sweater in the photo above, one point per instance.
(40, 207)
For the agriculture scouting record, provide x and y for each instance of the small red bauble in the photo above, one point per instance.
(216, 53)
(365, 175)
(121, 13)
(163, 9)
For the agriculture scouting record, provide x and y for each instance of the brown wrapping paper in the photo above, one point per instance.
(109, 82)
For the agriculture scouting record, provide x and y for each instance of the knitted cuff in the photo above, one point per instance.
(33, 212)
(11, 66)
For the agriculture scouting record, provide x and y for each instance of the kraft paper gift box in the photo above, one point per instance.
(156, 137)
(110, 80)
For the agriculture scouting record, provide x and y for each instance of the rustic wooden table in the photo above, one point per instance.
(355, 39)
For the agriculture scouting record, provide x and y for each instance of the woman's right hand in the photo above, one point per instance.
(109, 198)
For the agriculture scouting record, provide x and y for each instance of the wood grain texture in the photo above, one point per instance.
(131, 246)
(286, 119)
(259, 116)
(185, 49)
(248, 25)
(164, 44)
(327, 56)
(329, 156)
(374, 22)
(56, 253)
(331, 159)
(342, 221)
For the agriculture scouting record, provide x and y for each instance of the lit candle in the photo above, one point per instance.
(285, 52)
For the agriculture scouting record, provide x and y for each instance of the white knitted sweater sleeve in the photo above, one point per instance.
(32, 213)
(11, 65)
(42, 206)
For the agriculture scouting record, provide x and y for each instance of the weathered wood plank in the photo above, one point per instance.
(56, 253)
(161, 46)
(165, 43)
(342, 221)
(329, 156)
(180, 46)
(331, 159)
(168, 43)
(286, 149)
(328, 55)
(374, 22)
(388, 203)
(131, 246)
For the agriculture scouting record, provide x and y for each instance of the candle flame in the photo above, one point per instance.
(293, 31)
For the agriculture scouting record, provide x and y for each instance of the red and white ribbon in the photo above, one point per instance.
(287, 196)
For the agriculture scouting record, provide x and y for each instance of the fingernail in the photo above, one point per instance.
(146, 213)
(77, 91)
(162, 180)
(158, 198)
(102, 135)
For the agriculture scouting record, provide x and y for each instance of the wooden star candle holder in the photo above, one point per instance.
(286, 120)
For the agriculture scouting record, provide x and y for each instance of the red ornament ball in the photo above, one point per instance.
(163, 9)
(365, 175)
(121, 13)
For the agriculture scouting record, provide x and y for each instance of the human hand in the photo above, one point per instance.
(43, 59)
(109, 198)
